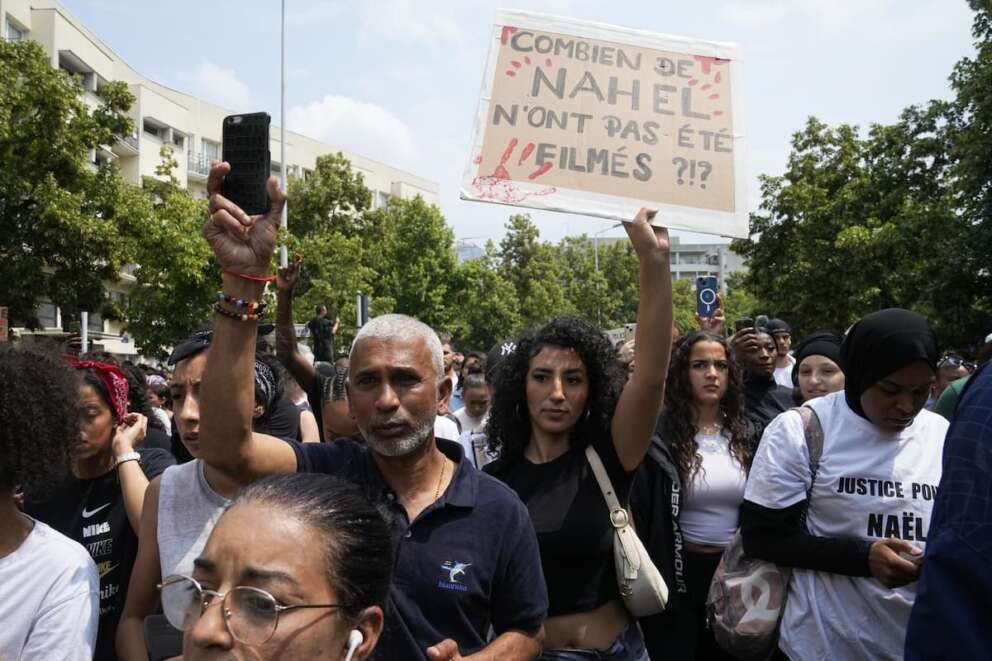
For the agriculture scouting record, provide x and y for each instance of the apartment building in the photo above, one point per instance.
(694, 260)
(164, 116)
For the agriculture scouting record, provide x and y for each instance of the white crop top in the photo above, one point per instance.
(709, 515)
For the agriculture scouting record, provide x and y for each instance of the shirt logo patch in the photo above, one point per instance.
(88, 513)
(454, 570)
(95, 529)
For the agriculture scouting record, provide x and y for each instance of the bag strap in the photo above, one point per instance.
(619, 517)
(813, 433)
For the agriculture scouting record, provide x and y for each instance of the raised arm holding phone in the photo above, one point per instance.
(455, 530)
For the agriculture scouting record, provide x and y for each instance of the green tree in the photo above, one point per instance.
(62, 233)
(966, 304)
(855, 224)
(333, 196)
(586, 287)
(534, 270)
(485, 307)
(416, 263)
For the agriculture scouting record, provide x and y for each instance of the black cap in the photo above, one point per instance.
(778, 326)
(497, 354)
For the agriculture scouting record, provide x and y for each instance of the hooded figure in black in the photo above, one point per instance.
(880, 344)
(876, 347)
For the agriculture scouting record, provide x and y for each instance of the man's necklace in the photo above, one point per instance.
(440, 480)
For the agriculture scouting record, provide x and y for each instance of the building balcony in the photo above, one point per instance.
(197, 166)
(127, 145)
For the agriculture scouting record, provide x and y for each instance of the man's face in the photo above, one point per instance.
(449, 356)
(476, 401)
(760, 361)
(783, 342)
(394, 393)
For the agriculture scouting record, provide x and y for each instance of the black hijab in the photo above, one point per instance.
(880, 344)
(817, 344)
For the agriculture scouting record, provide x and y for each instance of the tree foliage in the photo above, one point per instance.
(62, 230)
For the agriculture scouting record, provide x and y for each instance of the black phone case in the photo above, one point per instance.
(246, 148)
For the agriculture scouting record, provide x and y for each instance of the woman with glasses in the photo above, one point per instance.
(297, 568)
(950, 368)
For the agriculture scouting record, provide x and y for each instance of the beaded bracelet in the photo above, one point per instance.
(221, 310)
(249, 306)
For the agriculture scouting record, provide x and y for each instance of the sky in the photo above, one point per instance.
(398, 80)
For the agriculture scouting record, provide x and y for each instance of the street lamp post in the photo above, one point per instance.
(595, 248)
(284, 223)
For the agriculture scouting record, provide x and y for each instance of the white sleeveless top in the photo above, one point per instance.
(709, 512)
(187, 511)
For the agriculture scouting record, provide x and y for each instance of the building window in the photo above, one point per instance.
(210, 149)
(47, 315)
(382, 200)
(14, 33)
(95, 322)
(178, 139)
(150, 129)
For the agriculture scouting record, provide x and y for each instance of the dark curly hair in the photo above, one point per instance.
(39, 408)
(677, 419)
(508, 429)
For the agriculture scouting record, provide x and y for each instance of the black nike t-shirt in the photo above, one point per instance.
(92, 513)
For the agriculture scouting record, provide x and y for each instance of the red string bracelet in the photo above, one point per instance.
(254, 278)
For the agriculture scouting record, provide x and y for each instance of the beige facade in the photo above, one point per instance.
(189, 125)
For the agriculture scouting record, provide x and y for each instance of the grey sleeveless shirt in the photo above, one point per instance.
(187, 511)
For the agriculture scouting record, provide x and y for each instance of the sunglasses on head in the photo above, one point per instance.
(956, 361)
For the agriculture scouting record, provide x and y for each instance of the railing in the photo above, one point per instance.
(197, 164)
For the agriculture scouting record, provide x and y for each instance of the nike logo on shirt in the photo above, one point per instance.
(88, 513)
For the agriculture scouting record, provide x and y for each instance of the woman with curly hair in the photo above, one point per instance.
(560, 391)
(710, 443)
(99, 504)
(51, 590)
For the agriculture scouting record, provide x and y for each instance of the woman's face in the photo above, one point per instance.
(557, 389)
(186, 400)
(96, 424)
(819, 376)
(259, 545)
(708, 372)
(894, 402)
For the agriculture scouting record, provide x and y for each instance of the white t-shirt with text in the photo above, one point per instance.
(468, 423)
(783, 375)
(870, 485)
(49, 599)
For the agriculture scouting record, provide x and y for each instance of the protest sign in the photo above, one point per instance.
(600, 120)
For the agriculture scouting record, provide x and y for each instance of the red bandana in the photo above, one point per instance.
(113, 380)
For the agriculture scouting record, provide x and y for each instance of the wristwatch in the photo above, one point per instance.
(127, 456)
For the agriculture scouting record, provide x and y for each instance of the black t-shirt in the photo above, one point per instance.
(764, 400)
(572, 522)
(315, 395)
(467, 564)
(323, 338)
(92, 513)
(283, 421)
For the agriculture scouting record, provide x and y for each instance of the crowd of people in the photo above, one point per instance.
(412, 502)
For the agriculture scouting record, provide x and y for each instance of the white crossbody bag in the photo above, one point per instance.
(642, 588)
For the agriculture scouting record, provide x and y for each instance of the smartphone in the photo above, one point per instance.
(246, 148)
(741, 324)
(706, 303)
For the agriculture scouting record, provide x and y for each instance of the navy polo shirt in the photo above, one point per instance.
(468, 562)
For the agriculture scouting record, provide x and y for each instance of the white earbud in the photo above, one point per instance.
(355, 639)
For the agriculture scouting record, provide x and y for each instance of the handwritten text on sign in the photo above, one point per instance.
(575, 113)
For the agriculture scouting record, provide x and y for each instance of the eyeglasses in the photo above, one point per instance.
(251, 615)
(956, 361)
